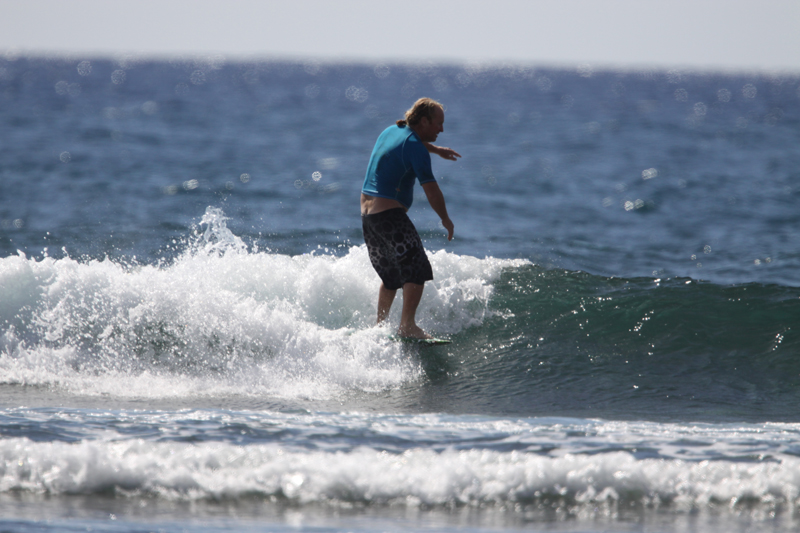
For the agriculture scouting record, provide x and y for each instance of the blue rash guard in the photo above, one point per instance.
(399, 157)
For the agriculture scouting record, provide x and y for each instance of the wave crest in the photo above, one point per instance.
(221, 319)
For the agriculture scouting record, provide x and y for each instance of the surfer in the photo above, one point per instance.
(401, 156)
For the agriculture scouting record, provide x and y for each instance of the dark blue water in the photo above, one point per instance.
(556, 167)
(186, 309)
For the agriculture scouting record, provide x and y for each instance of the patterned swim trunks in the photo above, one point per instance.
(395, 249)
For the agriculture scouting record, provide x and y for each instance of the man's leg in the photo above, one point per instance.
(385, 299)
(412, 294)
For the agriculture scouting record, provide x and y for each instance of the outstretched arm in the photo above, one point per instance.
(441, 151)
(436, 199)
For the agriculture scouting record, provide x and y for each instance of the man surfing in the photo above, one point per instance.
(401, 156)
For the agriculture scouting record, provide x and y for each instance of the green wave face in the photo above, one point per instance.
(570, 343)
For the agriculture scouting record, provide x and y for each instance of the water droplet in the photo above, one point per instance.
(316, 176)
(381, 71)
(244, 178)
(724, 95)
(649, 174)
(749, 91)
(65, 157)
(544, 84)
(681, 95)
(356, 94)
(700, 109)
(190, 185)
(84, 68)
(118, 77)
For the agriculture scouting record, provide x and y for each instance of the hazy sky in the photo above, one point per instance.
(719, 34)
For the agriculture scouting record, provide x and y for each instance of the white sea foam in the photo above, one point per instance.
(419, 476)
(221, 319)
(574, 466)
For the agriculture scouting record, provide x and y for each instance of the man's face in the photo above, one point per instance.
(429, 129)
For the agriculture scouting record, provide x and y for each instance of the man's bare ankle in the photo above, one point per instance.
(414, 332)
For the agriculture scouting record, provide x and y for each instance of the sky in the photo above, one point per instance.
(726, 35)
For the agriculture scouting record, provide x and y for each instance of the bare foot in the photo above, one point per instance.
(412, 332)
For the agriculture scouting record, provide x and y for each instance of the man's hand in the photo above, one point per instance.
(447, 153)
(448, 224)
(443, 152)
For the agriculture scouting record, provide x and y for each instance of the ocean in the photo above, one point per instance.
(187, 337)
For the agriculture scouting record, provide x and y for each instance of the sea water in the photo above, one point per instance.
(187, 337)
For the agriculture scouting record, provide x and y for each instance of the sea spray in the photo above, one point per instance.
(221, 318)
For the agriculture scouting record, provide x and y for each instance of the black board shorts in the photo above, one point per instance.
(395, 249)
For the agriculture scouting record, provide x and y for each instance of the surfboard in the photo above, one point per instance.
(425, 342)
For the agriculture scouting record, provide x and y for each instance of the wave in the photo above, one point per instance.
(416, 477)
(574, 343)
(220, 319)
(561, 465)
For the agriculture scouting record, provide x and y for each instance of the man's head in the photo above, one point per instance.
(426, 118)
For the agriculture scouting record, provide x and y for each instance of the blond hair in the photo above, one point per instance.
(424, 107)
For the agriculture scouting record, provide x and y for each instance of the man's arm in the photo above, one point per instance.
(441, 151)
(436, 199)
